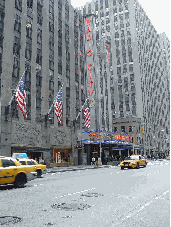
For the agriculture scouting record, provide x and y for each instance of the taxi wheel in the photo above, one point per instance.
(39, 173)
(122, 167)
(20, 180)
(145, 164)
(137, 166)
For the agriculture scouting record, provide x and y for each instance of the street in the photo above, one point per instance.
(102, 197)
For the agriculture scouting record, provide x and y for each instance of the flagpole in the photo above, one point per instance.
(54, 100)
(16, 89)
(72, 129)
(81, 108)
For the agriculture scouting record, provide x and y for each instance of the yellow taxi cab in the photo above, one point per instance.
(133, 161)
(12, 172)
(40, 168)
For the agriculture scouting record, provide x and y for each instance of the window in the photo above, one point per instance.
(17, 26)
(121, 16)
(18, 4)
(117, 52)
(131, 77)
(116, 35)
(131, 68)
(130, 128)
(118, 70)
(126, 15)
(23, 162)
(51, 27)
(30, 163)
(29, 32)
(39, 14)
(30, 4)
(28, 51)
(115, 129)
(39, 57)
(122, 128)
(51, 65)
(16, 48)
(59, 66)
(7, 163)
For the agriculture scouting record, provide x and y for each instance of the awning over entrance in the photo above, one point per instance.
(120, 141)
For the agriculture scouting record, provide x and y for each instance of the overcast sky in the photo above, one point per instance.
(157, 11)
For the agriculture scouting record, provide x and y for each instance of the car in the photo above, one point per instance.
(40, 168)
(133, 161)
(12, 172)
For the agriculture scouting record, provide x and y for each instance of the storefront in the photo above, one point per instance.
(32, 152)
(112, 144)
(62, 156)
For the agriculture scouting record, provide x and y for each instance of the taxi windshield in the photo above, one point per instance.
(132, 158)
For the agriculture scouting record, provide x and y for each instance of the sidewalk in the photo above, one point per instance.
(74, 168)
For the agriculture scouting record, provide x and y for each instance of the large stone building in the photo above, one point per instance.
(132, 74)
(107, 51)
(42, 38)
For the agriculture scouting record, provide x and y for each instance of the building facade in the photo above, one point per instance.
(107, 50)
(44, 39)
(133, 72)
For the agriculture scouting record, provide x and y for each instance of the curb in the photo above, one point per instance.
(52, 170)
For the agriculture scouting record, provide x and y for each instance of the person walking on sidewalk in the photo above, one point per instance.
(93, 161)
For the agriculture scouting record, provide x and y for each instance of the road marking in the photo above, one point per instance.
(75, 193)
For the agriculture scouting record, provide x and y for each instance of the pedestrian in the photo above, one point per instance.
(93, 160)
(105, 160)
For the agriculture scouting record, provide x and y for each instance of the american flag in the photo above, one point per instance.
(21, 97)
(58, 106)
(87, 115)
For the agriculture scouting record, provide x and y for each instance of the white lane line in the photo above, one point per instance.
(75, 193)
(165, 192)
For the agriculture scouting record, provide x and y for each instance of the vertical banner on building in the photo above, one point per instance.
(90, 65)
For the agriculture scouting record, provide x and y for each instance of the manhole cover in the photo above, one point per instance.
(70, 206)
(91, 194)
(5, 220)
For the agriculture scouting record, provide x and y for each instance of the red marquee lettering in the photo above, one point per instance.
(89, 45)
(107, 59)
(108, 53)
(90, 82)
(91, 92)
(107, 47)
(89, 66)
(88, 37)
(88, 30)
(90, 75)
(87, 21)
(89, 53)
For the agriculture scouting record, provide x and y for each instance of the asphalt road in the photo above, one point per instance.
(103, 197)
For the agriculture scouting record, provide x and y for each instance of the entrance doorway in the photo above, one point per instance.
(79, 156)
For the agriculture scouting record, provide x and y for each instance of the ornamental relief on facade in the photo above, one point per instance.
(26, 134)
(60, 138)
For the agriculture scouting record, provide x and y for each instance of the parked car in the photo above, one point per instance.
(12, 172)
(133, 161)
(40, 168)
